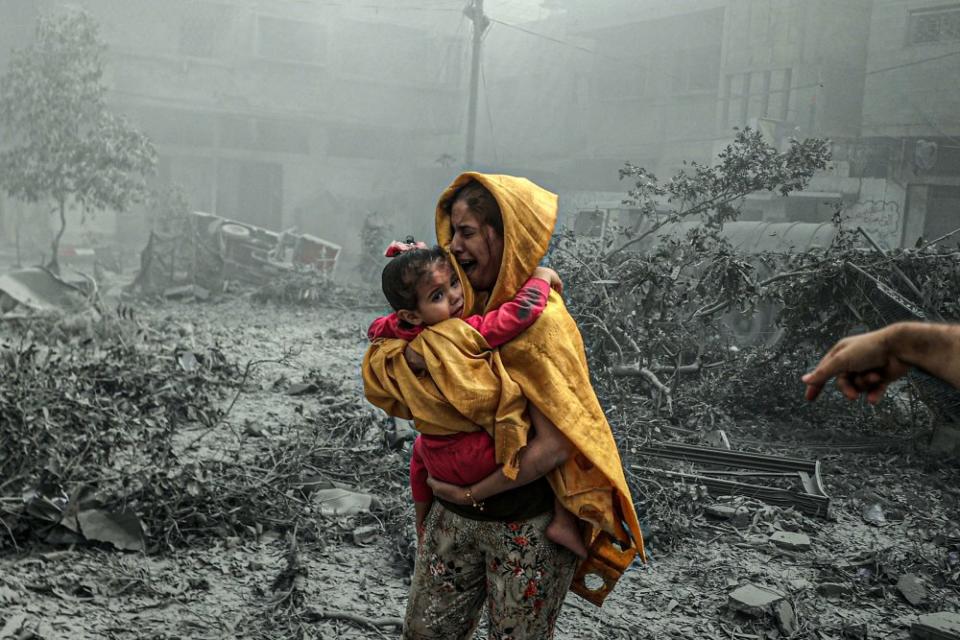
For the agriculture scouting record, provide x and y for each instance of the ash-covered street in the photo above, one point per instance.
(579, 318)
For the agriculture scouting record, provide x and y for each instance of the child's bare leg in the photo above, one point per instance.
(563, 530)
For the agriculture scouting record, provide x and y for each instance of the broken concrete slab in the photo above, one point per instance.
(786, 618)
(753, 600)
(791, 541)
(40, 291)
(943, 625)
(912, 589)
(719, 511)
(302, 389)
(737, 516)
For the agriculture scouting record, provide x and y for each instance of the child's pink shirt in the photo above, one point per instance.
(465, 458)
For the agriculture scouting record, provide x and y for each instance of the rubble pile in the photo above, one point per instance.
(101, 436)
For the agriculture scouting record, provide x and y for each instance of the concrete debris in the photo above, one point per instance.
(943, 625)
(873, 514)
(720, 511)
(739, 517)
(786, 618)
(40, 291)
(833, 589)
(912, 589)
(753, 600)
(800, 584)
(791, 541)
(187, 291)
(717, 439)
(856, 632)
(302, 389)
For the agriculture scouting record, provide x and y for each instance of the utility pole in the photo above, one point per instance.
(474, 11)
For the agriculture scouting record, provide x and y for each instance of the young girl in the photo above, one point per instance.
(423, 289)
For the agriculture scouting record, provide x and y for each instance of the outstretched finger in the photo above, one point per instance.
(813, 390)
(875, 394)
(829, 366)
(847, 387)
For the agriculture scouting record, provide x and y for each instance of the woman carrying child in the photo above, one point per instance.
(497, 228)
(424, 290)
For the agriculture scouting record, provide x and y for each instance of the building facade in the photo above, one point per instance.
(283, 113)
(660, 82)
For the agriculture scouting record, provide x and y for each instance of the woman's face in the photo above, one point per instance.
(476, 246)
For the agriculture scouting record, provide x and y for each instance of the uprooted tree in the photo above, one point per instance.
(65, 145)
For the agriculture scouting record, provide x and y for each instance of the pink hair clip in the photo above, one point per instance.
(396, 248)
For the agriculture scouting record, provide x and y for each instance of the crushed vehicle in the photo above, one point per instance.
(199, 253)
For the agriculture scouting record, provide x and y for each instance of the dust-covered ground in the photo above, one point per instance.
(853, 581)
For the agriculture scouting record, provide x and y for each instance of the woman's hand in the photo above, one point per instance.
(449, 492)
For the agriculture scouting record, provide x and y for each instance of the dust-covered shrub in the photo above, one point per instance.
(653, 299)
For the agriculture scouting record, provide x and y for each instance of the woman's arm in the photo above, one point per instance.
(867, 363)
(545, 452)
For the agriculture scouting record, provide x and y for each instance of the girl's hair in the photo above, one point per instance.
(402, 273)
(480, 201)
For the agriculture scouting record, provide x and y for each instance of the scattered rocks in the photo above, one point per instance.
(873, 514)
(800, 584)
(302, 388)
(737, 516)
(944, 625)
(912, 589)
(719, 511)
(791, 541)
(786, 618)
(753, 600)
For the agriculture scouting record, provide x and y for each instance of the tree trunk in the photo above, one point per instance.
(55, 258)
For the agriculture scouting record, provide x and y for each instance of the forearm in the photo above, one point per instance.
(545, 452)
(935, 348)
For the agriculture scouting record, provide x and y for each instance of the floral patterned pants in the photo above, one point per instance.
(522, 576)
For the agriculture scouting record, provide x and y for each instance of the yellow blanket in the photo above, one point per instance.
(548, 364)
(467, 389)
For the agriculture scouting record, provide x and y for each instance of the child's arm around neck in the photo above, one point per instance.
(510, 319)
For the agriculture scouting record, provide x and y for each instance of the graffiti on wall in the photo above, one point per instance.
(882, 219)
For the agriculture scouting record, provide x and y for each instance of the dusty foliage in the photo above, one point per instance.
(97, 410)
(654, 302)
(99, 436)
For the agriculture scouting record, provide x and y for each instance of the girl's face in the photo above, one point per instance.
(439, 296)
